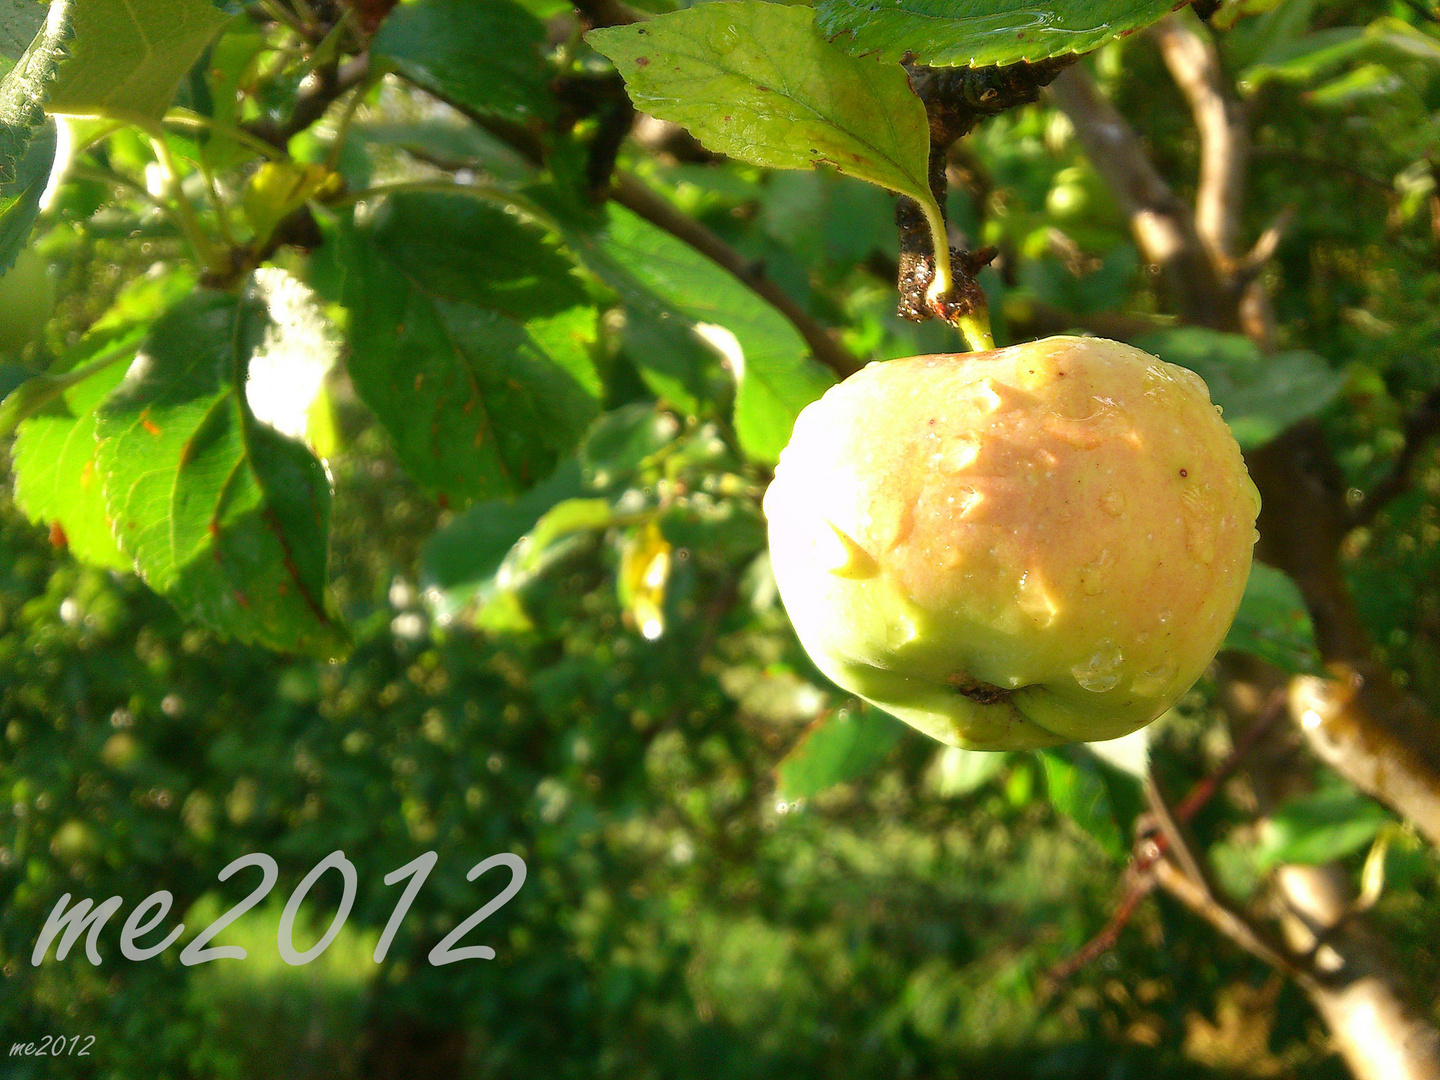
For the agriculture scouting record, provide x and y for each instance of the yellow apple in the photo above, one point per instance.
(1015, 548)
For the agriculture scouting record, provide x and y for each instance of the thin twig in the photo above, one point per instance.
(1150, 849)
(1229, 922)
(630, 193)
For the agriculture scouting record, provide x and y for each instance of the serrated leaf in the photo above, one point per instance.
(1273, 623)
(1261, 395)
(20, 21)
(847, 745)
(758, 82)
(1078, 791)
(24, 160)
(487, 57)
(224, 516)
(127, 58)
(480, 402)
(56, 479)
(979, 33)
(20, 197)
(675, 291)
(474, 252)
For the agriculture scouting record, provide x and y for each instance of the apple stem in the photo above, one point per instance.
(974, 325)
(944, 280)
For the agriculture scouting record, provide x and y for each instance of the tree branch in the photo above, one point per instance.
(1236, 927)
(636, 197)
(1224, 136)
(956, 99)
(1302, 523)
(333, 81)
(1162, 224)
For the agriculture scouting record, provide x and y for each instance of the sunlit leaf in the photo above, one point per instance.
(977, 33)
(127, 58)
(758, 82)
(224, 516)
(1078, 791)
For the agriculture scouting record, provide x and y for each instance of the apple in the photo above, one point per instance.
(27, 300)
(1015, 548)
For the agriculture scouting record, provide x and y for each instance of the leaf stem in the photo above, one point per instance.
(974, 325)
(185, 215)
(186, 117)
(34, 394)
(944, 280)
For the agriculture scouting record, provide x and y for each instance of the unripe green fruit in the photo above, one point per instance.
(27, 300)
(1015, 548)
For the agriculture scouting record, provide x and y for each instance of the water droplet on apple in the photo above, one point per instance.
(1100, 671)
(1154, 680)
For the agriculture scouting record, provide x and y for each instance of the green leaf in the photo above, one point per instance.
(1303, 59)
(24, 167)
(225, 517)
(836, 749)
(20, 197)
(673, 290)
(473, 252)
(488, 56)
(957, 771)
(460, 561)
(463, 346)
(20, 21)
(56, 478)
(1321, 827)
(978, 33)
(1078, 791)
(450, 144)
(756, 81)
(1274, 624)
(127, 58)
(621, 441)
(1261, 395)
